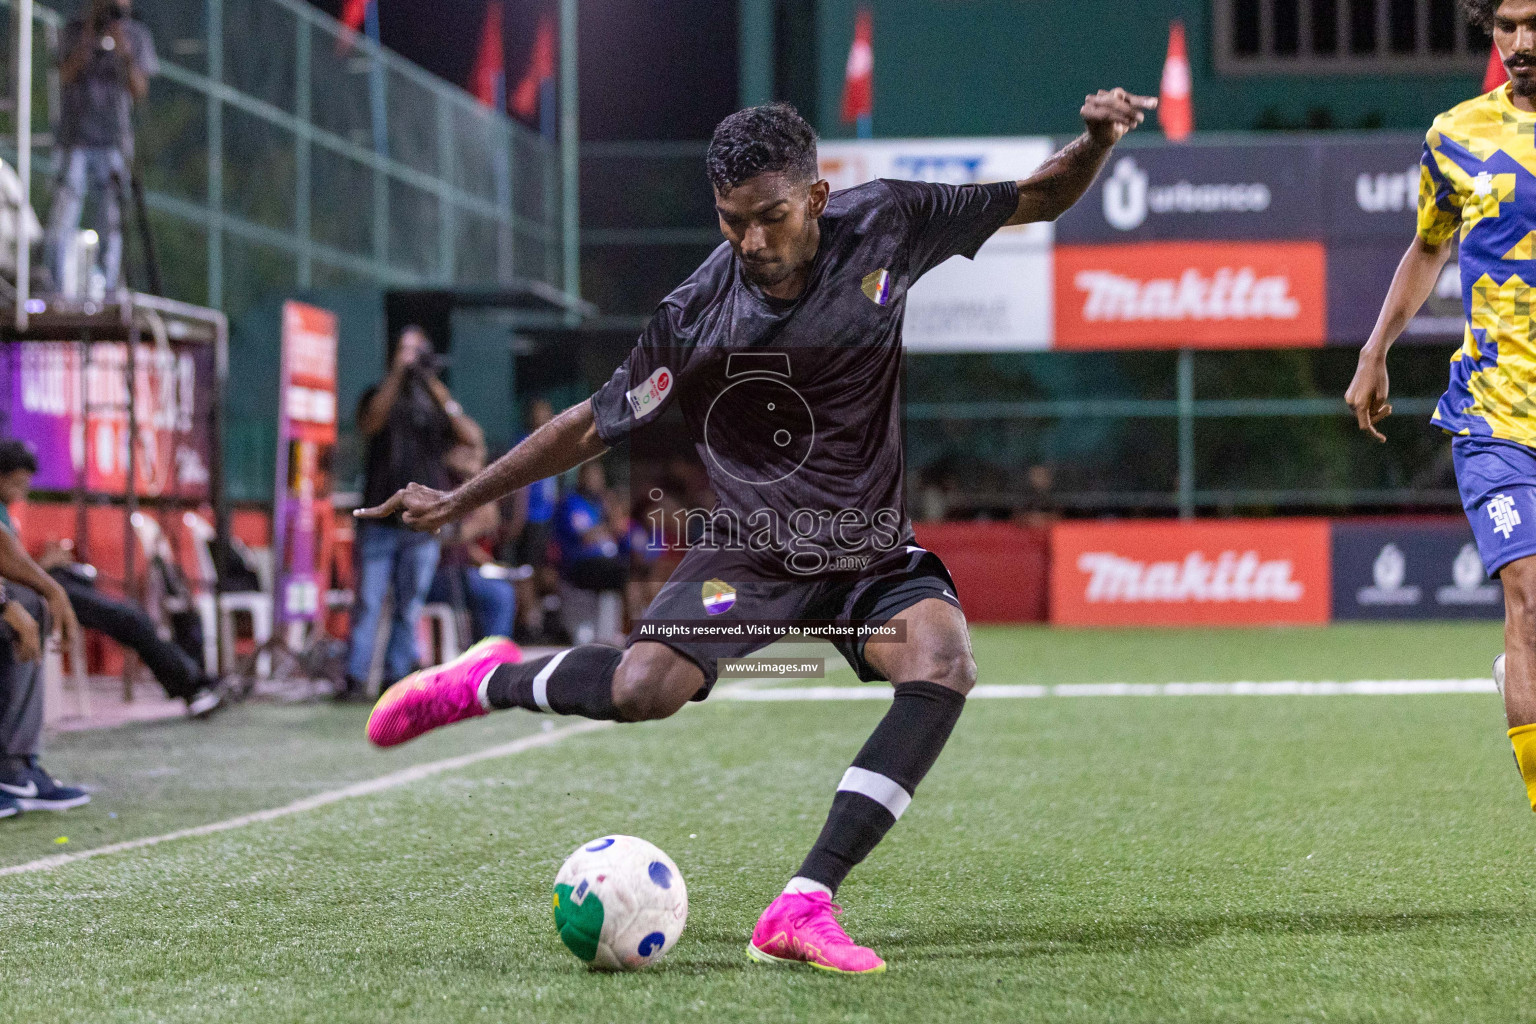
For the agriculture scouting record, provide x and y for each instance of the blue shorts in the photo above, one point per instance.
(1497, 480)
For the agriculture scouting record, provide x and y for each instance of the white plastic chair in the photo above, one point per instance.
(257, 606)
(438, 622)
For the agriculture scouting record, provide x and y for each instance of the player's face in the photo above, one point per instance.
(770, 221)
(1514, 33)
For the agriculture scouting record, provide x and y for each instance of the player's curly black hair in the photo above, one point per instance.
(1481, 12)
(773, 137)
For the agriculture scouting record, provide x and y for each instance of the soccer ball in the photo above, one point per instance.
(620, 903)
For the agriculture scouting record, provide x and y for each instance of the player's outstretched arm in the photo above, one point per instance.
(1416, 275)
(1061, 181)
(565, 441)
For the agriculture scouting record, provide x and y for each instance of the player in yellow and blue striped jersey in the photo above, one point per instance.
(1477, 193)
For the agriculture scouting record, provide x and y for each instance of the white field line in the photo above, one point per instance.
(1289, 688)
(403, 777)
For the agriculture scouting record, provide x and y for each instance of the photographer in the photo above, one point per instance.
(410, 422)
(108, 61)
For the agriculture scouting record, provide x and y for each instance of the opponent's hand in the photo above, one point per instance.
(421, 508)
(1110, 113)
(29, 639)
(1367, 394)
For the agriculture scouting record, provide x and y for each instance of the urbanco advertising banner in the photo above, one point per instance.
(1171, 573)
(1191, 294)
(1002, 299)
(1411, 569)
(1200, 192)
(70, 404)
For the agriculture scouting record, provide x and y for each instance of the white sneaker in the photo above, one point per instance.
(1498, 673)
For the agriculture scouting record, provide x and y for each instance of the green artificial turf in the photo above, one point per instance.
(1069, 859)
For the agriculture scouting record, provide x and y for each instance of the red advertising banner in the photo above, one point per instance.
(306, 435)
(1169, 573)
(1191, 294)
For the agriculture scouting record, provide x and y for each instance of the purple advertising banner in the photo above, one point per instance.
(74, 413)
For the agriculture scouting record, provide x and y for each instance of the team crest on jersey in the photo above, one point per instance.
(647, 397)
(877, 286)
(719, 596)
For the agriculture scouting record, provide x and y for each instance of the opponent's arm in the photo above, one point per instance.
(567, 440)
(1061, 181)
(1415, 278)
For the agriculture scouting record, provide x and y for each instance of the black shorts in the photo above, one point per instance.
(889, 585)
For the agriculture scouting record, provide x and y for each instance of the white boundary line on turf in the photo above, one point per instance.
(1287, 688)
(400, 778)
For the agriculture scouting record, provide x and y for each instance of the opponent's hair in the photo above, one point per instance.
(1481, 12)
(759, 140)
(16, 455)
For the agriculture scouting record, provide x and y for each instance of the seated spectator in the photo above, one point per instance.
(179, 670)
(467, 575)
(594, 542)
(30, 612)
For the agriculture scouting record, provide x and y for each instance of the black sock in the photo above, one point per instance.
(574, 682)
(883, 778)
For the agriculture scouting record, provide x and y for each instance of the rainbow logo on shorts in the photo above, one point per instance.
(877, 286)
(719, 596)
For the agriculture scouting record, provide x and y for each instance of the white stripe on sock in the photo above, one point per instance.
(802, 884)
(883, 791)
(541, 681)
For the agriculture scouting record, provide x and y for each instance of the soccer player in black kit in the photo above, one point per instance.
(783, 352)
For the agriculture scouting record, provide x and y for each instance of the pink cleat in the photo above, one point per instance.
(801, 927)
(449, 693)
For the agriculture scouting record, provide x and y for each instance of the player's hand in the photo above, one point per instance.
(421, 508)
(29, 640)
(1110, 113)
(1367, 394)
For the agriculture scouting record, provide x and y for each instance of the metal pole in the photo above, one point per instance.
(754, 40)
(215, 15)
(569, 154)
(23, 157)
(217, 481)
(1186, 404)
(131, 487)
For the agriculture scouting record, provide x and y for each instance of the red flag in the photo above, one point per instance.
(353, 14)
(859, 78)
(1497, 74)
(1175, 110)
(488, 78)
(541, 68)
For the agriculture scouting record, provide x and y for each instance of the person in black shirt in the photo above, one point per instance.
(410, 421)
(783, 353)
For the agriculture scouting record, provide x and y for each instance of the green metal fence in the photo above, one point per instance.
(277, 155)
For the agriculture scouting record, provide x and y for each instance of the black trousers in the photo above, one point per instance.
(128, 625)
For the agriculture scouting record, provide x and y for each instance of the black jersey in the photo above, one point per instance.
(795, 406)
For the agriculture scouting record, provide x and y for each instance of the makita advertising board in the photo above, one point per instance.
(1190, 294)
(1199, 192)
(1207, 573)
(1002, 299)
(1411, 570)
